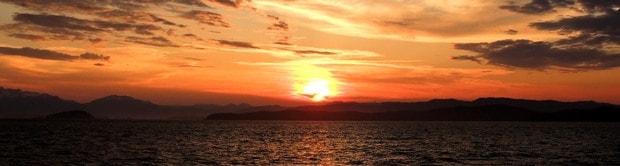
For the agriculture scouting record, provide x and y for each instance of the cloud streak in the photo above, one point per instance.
(50, 55)
(207, 17)
(538, 55)
(237, 44)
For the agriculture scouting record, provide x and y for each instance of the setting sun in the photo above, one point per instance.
(317, 90)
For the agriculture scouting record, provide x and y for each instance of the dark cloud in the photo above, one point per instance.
(56, 21)
(511, 32)
(280, 25)
(537, 6)
(590, 43)
(282, 43)
(592, 29)
(189, 35)
(314, 52)
(60, 23)
(284, 40)
(93, 56)
(545, 6)
(93, 19)
(108, 9)
(49, 55)
(539, 55)
(134, 16)
(236, 43)
(152, 41)
(97, 5)
(467, 57)
(206, 17)
(198, 3)
(599, 5)
(47, 32)
(27, 36)
(229, 3)
(68, 6)
(96, 40)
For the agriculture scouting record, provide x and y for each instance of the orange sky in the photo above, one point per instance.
(269, 51)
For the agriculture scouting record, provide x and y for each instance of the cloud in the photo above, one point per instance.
(133, 16)
(539, 55)
(207, 17)
(57, 21)
(27, 36)
(427, 21)
(511, 32)
(537, 6)
(153, 41)
(314, 52)
(113, 20)
(278, 25)
(282, 43)
(236, 43)
(64, 24)
(546, 6)
(592, 29)
(97, 5)
(467, 57)
(49, 55)
(93, 56)
(189, 35)
(590, 40)
(229, 3)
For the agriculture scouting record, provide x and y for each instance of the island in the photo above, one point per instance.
(71, 115)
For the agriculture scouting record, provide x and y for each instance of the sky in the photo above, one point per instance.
(293, 52)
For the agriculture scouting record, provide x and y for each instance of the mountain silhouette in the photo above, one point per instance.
(120, 107)
(15, 103)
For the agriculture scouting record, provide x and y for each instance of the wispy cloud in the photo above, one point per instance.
(426, 21)
(207, 17)
(49, 55)
(236, 43)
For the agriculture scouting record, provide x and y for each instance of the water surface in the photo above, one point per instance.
(306, 142)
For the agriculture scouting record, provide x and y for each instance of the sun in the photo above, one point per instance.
(317, 90)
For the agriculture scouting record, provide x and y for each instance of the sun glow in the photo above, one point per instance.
(317, 90)
(312, 82)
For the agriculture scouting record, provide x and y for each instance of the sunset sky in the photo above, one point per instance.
(292, 52)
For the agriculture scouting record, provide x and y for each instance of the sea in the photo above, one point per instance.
(135, 142)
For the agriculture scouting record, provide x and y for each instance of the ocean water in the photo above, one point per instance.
(306, 142)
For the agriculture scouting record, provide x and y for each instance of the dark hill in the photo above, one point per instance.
(71, 115)
(464, 113)
(15, 103)
(121, 107)
(538, 105)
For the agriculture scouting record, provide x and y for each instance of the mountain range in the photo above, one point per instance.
(15, 103)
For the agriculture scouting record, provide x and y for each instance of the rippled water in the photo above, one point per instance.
(298, 142)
